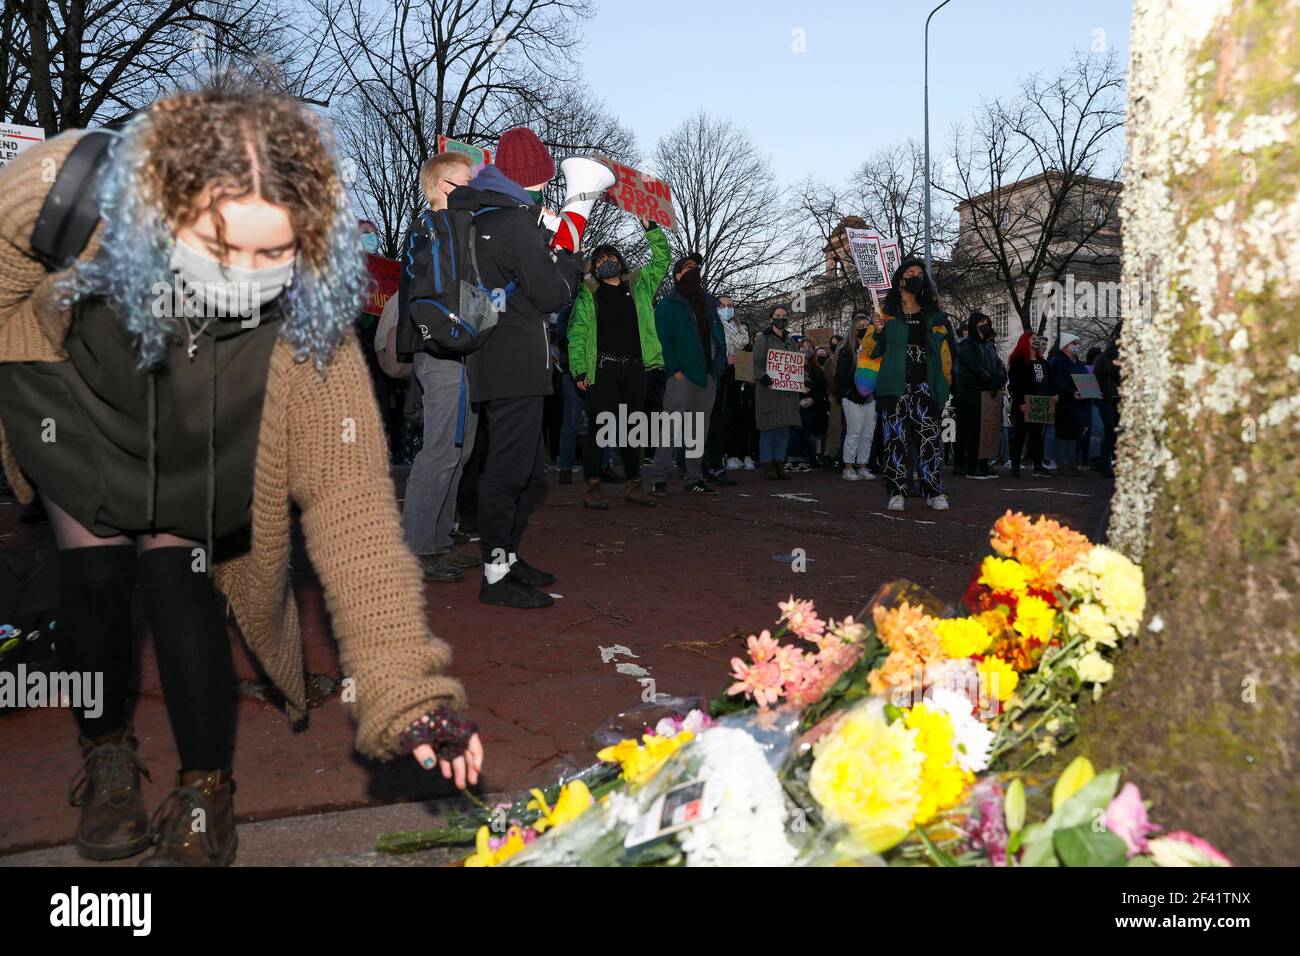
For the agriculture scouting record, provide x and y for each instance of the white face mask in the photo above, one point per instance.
(228, 290)
(726, 313)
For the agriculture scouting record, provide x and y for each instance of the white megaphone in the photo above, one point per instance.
(585, 181)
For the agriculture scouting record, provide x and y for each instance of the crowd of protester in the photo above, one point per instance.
(618, 340)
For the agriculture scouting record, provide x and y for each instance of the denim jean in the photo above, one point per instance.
(571, 426)
(772, 443)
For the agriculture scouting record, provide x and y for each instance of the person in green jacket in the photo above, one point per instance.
(912, 341)
(612, 343)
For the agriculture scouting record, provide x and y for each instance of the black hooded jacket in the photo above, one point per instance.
(515, 362)
(981, 366)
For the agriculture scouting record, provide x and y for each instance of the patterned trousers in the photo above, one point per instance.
(915, 406)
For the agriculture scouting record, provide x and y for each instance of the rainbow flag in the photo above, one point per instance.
(864, 376)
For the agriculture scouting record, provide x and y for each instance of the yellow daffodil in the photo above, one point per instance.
(574, 800)
(641, 762)
(484, 855)
(1073, 779)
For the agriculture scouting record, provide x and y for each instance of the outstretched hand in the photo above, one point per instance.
(464, 769)
(443, 739)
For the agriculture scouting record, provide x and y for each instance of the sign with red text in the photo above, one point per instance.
(481, 157)
(640, 194)
(14, 139)
(384, 274)
(785, 369)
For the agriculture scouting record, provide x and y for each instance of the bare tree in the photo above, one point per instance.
(888, 190)
(730, 207)
(68, 64)
(386, 185)
(1036, 181)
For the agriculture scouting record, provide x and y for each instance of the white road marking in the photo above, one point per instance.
(881, 514)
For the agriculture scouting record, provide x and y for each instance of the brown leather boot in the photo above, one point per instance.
(591, 498)
(188, 837)
(780, 471)
(637, 495)
(114, 823)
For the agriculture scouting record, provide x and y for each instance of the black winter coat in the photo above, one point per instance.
(515, 362)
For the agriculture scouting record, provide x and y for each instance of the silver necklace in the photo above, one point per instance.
(193, 334)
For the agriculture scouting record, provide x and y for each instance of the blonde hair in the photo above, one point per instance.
(434, 169)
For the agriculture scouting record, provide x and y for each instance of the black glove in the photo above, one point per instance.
(581, 378)
(651, 225)
(765, 380)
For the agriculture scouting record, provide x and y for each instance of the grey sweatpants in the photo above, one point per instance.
(430, 508)
(693, 403)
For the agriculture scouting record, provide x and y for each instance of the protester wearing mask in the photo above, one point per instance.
(1029, 375)
(776, 412)
(1073, 411)
(612, 341)
(429, 510)
(916, 373)
(982, 374)
(695, 353)
(814, 409)
(510, 374)
(726, 404)
(187, 429)
(859, 409)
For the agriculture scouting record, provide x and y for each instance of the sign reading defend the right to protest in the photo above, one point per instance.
(786, 370)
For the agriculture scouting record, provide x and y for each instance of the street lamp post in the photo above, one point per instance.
(929, 265)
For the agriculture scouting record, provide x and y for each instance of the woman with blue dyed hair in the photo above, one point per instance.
(169, 393)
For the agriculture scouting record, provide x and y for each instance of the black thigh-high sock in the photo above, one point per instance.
(193, 648)
(93, 627)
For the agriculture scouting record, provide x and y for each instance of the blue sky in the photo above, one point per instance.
(857, 85)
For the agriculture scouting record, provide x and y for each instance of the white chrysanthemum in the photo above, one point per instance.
(971, 740)
(748, 826)
(1094, 668)
(1090, 620)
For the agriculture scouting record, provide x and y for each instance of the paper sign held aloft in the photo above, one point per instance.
(786, 370)
(14, 139)
(640, 194)
(1087, 385)
(868, 251)
(481, 157)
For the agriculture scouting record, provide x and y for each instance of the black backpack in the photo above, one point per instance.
(444, 305)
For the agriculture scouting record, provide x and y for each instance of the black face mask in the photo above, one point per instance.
(861, 333)
(986, 332)
(914, 284)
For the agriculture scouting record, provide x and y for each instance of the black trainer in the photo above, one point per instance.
(699, 488)
(437, 570)
(531, 575)
(659, 489)
(510, 591)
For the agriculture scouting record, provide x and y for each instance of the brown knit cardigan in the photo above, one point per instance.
(321, 446)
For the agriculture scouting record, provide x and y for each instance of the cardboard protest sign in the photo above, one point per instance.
(640, 194)
(384, 274)
(990, 425)
(892, 257)
(481, 157)
(821, 338)
(868, 257)
(786, 370)
(744, 367)
(14, 139)
(1087, 385)
(1040, 409)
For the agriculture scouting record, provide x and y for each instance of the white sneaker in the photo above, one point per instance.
(749, 463)
(864, 473)
(734, 464)
(850, 475)
(896, 503)
(938, 502)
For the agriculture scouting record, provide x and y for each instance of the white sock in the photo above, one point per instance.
(495, 572)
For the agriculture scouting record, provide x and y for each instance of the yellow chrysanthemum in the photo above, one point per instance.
(942, 781)
(1089, 619)
(1034, 618)
(1113, 581)
(1094, 668)
(1003, 574)
(998, 679)
(866, 773)
(962, 636)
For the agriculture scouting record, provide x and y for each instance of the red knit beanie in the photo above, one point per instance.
(522, 157)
